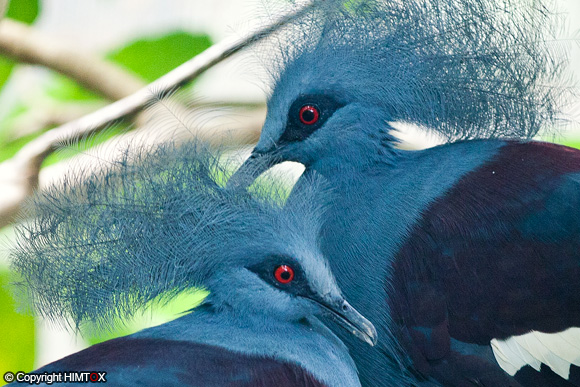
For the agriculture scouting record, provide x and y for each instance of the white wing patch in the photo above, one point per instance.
(556, 350)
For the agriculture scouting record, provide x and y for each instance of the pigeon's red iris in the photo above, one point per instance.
(284, 274)
(308, 115)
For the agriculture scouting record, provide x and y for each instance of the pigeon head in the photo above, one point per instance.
(464, 69)
(277, 269)
(101, 246)
(290, 284)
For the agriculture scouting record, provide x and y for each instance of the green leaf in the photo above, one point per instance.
(154, 57)
(6, 66)
(25, 11)
(160, 313)
(62, 88)
(17, 344)
(9, 149)
(572, 143)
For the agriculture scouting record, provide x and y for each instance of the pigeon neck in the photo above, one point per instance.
(307, 342)
(366, 151)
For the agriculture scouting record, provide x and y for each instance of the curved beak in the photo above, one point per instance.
(249, 171)
(351, 320)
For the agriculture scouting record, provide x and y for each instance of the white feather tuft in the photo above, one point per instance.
(556, 350)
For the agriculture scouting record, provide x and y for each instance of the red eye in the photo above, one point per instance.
(284, 274)
(308, 115)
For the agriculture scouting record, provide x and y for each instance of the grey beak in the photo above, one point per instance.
(253, 167)
(352, 321)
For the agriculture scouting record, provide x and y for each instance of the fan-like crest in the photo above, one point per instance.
(99, 247)
(463, 68)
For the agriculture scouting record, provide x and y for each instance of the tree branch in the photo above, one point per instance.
(21, 172)
(23, 44)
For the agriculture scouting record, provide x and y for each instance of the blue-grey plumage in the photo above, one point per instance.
(102, 246)
(455, 246)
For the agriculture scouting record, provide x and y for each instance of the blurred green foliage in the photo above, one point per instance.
(61, 88)
(6, 66)
(9, 146)
(18, 333)
(148, 58)
(151, 58)
(158, 314)
(25, 11)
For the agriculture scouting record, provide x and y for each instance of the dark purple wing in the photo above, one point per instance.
(155, 362)
(497, 255)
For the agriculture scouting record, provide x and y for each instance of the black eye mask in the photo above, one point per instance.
(270, 271)
(307, 114)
